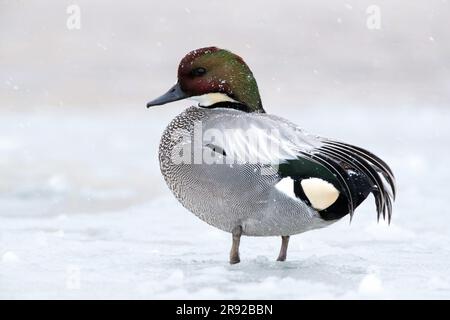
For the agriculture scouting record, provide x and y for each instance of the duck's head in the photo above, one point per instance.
(215, 78)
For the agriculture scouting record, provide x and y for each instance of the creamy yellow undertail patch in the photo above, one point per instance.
(320, 193)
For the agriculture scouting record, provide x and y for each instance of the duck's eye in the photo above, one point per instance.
(197, 72)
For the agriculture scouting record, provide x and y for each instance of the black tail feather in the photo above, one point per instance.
(361, 166)
(373, 167)
(377, 162)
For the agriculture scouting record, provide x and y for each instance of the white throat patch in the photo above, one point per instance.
(209, 99)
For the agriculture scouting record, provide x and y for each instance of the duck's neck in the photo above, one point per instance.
(245, 90)
(234, 105)
(241, 84)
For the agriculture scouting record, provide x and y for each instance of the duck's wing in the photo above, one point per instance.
(295, 154)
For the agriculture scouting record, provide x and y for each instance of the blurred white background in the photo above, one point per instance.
(80, 187)
(303, 54)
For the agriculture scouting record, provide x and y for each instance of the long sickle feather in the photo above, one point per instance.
(361, 165)
(379, 164)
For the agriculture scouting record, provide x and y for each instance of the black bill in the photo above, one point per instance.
(174, 94)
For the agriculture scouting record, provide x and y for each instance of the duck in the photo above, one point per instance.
(250, 173)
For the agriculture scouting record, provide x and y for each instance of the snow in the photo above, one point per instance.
(370, 285)
(84, 213)
(9, 257)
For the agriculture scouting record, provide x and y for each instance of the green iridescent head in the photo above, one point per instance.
(216, 78)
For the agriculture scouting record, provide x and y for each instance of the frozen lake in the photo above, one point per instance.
(84, 213)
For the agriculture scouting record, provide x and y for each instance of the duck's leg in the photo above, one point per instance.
(234, 254)
(283, 250)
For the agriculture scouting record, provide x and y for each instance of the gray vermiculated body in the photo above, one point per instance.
(226, 196)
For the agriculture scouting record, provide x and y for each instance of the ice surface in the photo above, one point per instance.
(84, 213)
